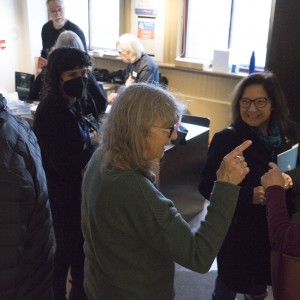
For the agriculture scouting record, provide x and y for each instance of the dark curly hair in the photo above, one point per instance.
(61, 60)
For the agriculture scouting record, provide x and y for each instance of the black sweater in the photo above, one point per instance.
(50, 35)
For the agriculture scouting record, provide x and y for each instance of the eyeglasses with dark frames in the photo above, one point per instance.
(168, 130)
(258, 102)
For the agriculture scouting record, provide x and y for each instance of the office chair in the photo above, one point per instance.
(196, 120)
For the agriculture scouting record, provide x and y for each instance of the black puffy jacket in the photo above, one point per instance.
(26, 240)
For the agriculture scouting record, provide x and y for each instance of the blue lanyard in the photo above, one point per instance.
(83, 130)
(85, 134)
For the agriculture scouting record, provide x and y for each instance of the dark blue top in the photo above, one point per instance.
(50, 35)
(143, 70)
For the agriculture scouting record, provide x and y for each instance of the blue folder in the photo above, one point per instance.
(287, 160)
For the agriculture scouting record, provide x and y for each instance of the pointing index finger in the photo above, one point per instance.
(239, 149)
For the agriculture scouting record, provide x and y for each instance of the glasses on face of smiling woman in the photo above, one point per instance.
(258, 102)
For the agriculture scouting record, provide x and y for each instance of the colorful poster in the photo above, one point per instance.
(146, 29)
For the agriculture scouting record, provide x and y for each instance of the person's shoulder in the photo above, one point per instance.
(44, 105)
(134, 181)
(47, 26)
(146, 61)
(292, 131)
(147, 57)
(72, 26)
(91, 78)
(15, 129)
(48, 108)
(226, 139)
(132, 176)
(293, 124)
(225, 133)
(12, 121)
(140, 187)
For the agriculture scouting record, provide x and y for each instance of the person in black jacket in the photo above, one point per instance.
(26, 239)
(260, 114)
(66, 123)
(140, 66)
(71, 39)
(57, 24)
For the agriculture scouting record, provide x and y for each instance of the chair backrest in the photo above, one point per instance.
(196, 120)
(285, 271)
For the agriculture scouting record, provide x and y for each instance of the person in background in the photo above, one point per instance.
(260, 114)
(57, 24)
(96, 91)
(133, 234)
(141, 67)
(284, 234)
(66, 127)
(26, 237)
(71, 39)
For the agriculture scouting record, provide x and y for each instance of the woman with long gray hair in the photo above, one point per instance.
(133, 234)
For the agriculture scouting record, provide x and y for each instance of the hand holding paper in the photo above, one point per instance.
(287, 160)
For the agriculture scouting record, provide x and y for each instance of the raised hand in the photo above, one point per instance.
(273, 177)
(233, 168)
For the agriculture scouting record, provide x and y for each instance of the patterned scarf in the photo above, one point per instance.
(273, 139)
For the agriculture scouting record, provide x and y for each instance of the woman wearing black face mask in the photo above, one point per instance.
(66, 124)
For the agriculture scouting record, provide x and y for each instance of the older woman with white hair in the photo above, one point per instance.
(70, 39)
(141, 67)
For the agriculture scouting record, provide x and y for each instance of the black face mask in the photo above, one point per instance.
(75, 87)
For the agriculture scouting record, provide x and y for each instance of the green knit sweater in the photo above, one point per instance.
(133, 235)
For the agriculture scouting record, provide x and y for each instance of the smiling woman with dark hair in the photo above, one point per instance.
(259, 113)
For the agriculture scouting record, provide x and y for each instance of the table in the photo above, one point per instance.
(109, 87)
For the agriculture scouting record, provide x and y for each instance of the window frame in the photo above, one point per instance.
(86, 20)
(184, 36)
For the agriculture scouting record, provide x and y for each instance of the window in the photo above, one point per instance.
(104, 23)
(77, 12)
(98, 19)
(239, 25)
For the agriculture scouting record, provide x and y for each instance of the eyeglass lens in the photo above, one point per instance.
(58, 11)
(259, 102)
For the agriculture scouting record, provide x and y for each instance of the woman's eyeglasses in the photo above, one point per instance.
(168, 130)
(258, 102)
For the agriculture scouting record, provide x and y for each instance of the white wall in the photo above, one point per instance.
(20, 25)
